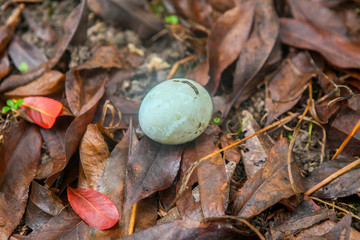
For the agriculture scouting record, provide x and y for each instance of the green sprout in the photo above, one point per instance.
(290, 137)
(23, 66)
(216, 120)
(243, 124)
(12, 105)
(310, 133)
(173, 19)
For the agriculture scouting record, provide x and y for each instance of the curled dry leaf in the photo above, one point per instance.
(305, 215)
(256, 148)
(93, 154)
(133, 14)
(256, 51)
(42, 206)
(49, 83)
(211, 174)
(288, 84)
(76, 130)
(20, 157)
(270, 184)
(344, 185)
(43, 111)
(319, 230)
(190, 229)
(71, 24)
(22, 53)
(4, 65)
(112, 184)
(93, 207)
(151, 167)
(227, 38)
(54, 140)
(84, 81)
(336, 49)
(57, 227)
(318, 15)
(40, 28)
(200, 12)
(340, 127)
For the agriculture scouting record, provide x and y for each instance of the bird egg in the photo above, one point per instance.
(175, 111)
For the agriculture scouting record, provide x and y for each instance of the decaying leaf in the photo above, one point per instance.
(270, 184)
(340, 127)
(344, 185)
(71, 24)
(57, 227)
(151, 167)
(75, 132)
(49, 83)
(20, 156)
(339, 51)
(305, 215)
(256, 148)
(42, 206)
(23, 53)
(4, 65)
(227, 38)
(288, 84)
(190, 229)
(93, 153)
(133, 14)
(256, 51)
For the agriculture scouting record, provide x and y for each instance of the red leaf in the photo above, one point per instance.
(42, 110)
(93, 207)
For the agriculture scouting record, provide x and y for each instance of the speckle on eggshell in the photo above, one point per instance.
(175, 111)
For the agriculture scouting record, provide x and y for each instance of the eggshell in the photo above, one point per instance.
(175, 111)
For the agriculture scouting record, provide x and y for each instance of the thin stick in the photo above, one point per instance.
(347, 139)
(335, 206)
(292, 142)
(177, 64)
(332, 177)
(132, 220)
(189, 172)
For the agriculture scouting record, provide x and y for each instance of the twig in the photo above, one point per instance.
(177, 64)
(132, 220)
(334, 206)
(347, 139)
(332, 177)
(189, 172)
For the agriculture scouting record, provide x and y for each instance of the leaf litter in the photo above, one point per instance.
(262, 60)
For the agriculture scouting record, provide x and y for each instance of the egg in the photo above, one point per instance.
(175, 111)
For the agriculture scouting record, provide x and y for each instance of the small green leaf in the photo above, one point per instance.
(23, 66)
(10, 103)
(18, 103)
(171, 19)
(290, 137)
(5, 109)
(216, 120)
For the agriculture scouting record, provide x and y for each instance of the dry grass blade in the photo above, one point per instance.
(189, 172)
(347, 139)
(177, 64)
(332, 177)
(132, 219)
(334, 206)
